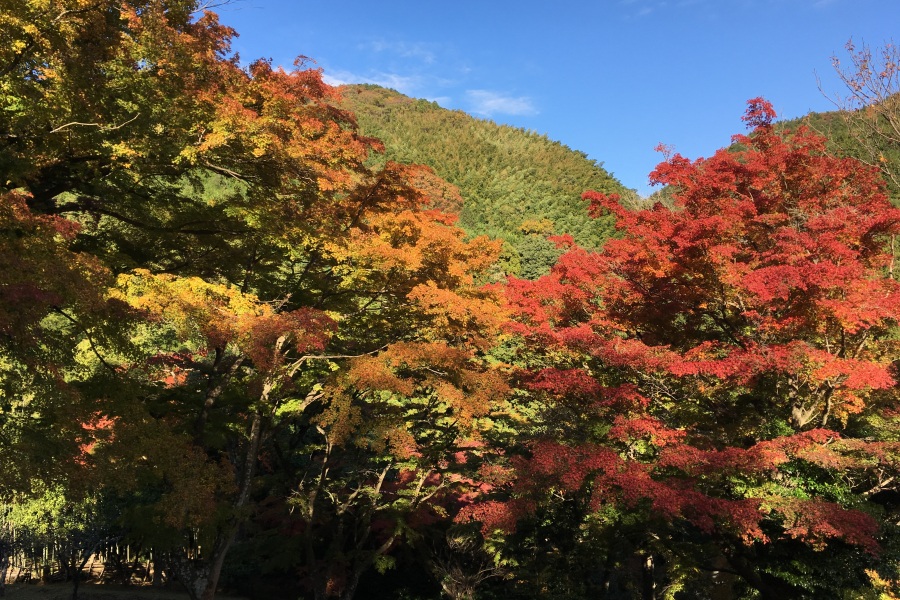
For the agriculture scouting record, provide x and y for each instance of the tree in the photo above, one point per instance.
(724, 372)
(461, 560)
(73, 527)
(228, 214)
(267, 369)
(870, 105)
(390, 422)
(537, 249)
(54, 320)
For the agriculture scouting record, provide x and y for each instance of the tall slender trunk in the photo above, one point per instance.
(156, 563)
(352, 583)
(649, 591)
(201, 581)
(5, 551)
(76, 579)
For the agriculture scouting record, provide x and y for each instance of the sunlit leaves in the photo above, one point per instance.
(214, 316)
(763, 295)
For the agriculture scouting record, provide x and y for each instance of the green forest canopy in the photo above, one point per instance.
(510, 179)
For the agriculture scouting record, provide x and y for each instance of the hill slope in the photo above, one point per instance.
(853, 134)
(517, 185)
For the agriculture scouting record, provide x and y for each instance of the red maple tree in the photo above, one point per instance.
(725, 347)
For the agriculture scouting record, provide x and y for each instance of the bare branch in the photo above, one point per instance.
(213, 4)
(226, 171)
(87, 335)
(100, 125)
(879, 487)
(870, 103)
(295, 366)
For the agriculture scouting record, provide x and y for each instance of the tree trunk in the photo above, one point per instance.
(78, 566)
(220, 550)
(157, 566)
(350, 590)
(76, 579)
(201, 582)
(768, 588)
(649, 581)
(194, 579)
(4, 568)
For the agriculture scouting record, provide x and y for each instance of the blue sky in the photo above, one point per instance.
(610, 78)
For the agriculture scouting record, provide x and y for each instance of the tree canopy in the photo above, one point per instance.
(241, 339)
(506, 177)
(725, 370)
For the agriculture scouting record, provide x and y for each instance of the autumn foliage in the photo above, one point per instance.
(220, 317)
(222, 277)
(722, 348)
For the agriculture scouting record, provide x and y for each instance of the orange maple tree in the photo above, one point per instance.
(269, 277)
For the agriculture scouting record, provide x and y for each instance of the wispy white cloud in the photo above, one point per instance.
(414, 50)
(405, 84)
(637, 9)
(336, 79)
(488, 103)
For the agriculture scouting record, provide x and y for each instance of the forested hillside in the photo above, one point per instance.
(866, 125)
(517, 185)
(843, 131)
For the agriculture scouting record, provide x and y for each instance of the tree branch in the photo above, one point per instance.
(87, 335)
(101, 126)
(295, 366)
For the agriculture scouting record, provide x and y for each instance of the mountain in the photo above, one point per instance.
(517, 185)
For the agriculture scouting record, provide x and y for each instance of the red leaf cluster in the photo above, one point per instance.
(764, 294)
